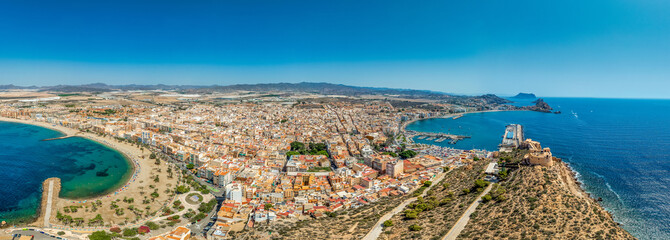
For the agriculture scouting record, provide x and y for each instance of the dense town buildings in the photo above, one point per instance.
(246, 150)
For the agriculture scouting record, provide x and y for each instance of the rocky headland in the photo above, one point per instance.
(541, 203)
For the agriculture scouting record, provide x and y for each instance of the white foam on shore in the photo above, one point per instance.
(578, 176)
(612, 190)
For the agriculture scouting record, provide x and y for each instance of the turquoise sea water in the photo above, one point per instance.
(27, 161)
(619, 147)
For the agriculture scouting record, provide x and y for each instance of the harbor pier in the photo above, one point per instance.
(512, 138)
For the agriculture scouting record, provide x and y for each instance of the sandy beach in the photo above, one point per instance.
(451, 115)
(139, 187)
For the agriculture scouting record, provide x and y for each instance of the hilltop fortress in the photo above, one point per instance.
(536, 155)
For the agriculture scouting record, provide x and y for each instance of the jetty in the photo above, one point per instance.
(57, 138)
(512, 138)
(50, 193)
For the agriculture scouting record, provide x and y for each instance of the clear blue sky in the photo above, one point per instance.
(589, 48)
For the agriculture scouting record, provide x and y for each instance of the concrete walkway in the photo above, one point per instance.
(47, 214)
(378, 227)
(460, 224)
(187, 206)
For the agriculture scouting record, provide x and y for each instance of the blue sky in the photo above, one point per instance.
(552, 48)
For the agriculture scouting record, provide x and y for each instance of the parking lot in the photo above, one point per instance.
(39, 235)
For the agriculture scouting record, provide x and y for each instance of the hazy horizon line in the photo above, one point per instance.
(504, 95)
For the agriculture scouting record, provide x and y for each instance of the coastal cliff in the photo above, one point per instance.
(542, 202)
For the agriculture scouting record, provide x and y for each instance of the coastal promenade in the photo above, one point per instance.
(143, 170)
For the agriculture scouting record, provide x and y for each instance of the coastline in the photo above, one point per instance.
(570, 176)
(573, 173)
(577, 188)
(450, 115)
(68, 132)
(127, 187)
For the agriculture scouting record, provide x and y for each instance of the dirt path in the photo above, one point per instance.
(460, 224)
(377, 229)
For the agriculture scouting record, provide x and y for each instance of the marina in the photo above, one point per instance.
(437, 137)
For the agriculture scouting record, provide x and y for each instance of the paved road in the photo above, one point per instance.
(460, 224)
(38, 235)
(187, 205)
(377, 229)
(197, 228)
(47, 214)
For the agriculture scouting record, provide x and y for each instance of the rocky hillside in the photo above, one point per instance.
(432, 216)
(346, 224)
(541, 203)
(540, 106)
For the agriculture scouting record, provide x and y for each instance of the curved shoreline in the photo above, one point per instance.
(450, 115)
(126, 179)
(67, 133)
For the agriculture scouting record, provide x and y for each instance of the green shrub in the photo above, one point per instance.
(129, 232)
(152, 225)
(100, 235)
(410, 214)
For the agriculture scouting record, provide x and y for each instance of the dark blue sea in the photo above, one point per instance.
(619, 147)
(27, 161)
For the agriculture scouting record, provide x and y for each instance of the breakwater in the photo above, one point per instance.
(50, 193)
(57, 138)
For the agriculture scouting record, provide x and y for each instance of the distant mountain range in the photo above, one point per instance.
(307, 87)
(319, 88)
(12, 87)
